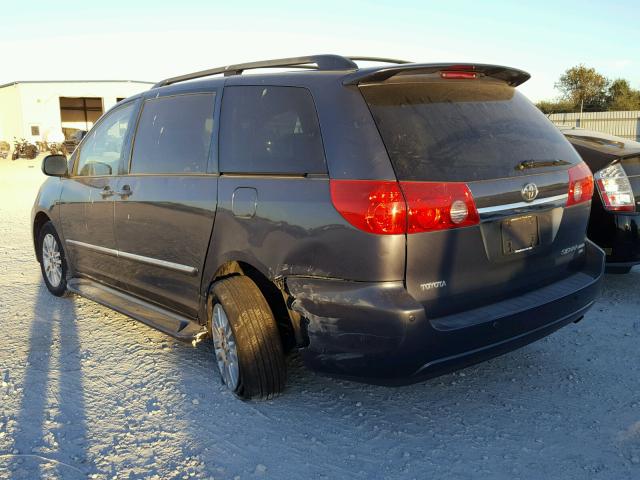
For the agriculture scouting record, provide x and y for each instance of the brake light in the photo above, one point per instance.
(580, 184)
(458, 75)
(438, 206)
(615, 189)
(391, 208)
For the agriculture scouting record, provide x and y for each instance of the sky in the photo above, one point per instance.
(151, 40)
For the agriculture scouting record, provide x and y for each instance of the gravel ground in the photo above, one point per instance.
(88, 393)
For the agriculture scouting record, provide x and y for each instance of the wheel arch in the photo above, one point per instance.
(39, 221)
(273, 292)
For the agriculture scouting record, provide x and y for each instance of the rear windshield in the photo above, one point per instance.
(464, 130)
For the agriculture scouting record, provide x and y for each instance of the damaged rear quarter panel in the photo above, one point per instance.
(352, 322)
(297, 231)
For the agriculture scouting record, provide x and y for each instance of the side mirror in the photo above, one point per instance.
(55, 166)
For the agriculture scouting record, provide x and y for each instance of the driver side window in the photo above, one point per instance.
(102, 150)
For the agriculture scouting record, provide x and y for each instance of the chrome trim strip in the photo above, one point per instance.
(159, 263)
(105, 250)
(515, 206)
(138, 258)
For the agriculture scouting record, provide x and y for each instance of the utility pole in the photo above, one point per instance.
(581, 108)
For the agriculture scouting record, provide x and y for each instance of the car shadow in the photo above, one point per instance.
(51, 430)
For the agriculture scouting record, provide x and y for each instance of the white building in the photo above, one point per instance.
(45, 110)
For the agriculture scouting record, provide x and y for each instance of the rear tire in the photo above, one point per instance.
(53, 263)
(251, 339)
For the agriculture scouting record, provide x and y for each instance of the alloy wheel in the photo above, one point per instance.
(52, 260)
(224, 344)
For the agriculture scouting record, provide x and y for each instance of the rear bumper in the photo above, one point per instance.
(377, 332)
(622, 242)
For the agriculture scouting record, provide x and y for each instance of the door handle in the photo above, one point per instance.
(125, 191)
(107, 192)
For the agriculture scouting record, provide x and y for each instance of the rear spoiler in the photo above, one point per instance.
(512, 76)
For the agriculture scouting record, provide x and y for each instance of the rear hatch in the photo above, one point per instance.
(448, 135)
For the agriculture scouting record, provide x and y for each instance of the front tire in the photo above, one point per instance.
(52, 260)
(246, 340)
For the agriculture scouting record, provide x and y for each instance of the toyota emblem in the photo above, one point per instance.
(529, 192)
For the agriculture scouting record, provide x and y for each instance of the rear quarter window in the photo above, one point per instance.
(463, 130)
(269, 129)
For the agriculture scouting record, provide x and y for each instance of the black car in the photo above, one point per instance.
(615, 221)
(390, 223)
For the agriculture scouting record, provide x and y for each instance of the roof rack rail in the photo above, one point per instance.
(321, 62)
(378, 59)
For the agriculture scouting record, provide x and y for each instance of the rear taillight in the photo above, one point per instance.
(615, 189)
(580, 184)
(389, 208)
(438, 206)
(370, 205)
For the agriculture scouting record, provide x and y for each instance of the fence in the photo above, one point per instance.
(622, 124)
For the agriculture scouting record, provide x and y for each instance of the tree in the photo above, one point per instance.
(620, 96)
(584, 87)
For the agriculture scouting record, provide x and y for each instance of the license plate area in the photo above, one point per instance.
(520, 234)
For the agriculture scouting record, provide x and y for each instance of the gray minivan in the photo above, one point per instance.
(390, 223)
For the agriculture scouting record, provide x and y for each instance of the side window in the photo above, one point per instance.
(102, 150)
(174, 134)
(270, 130)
